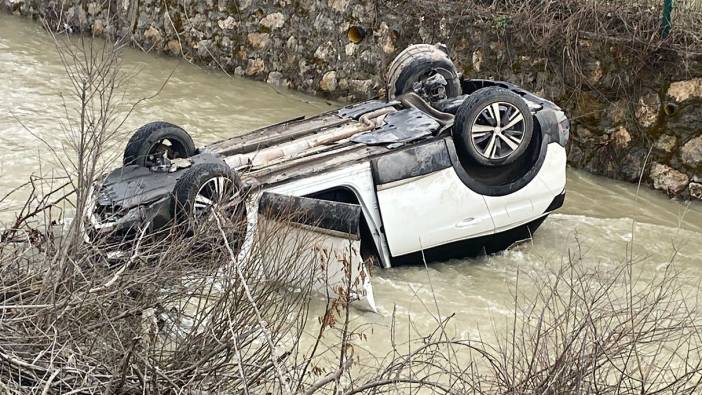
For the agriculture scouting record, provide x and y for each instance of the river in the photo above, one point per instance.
(600, 216)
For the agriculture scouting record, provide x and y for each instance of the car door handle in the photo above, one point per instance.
(467, 222)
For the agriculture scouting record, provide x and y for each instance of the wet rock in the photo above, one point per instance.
(173, 46)
(203, 49)
(667, 179)
(273, 21)
(228, 24)
(632, 165)
(691, 152)
(683, 90)
(77, 16)
(666, 143)
(576, 155)
(98, 27)
(258, 40)
(328, 82)
(276, 78)
(152, 34)
(695, 190)
(647, 109)
(255, 67)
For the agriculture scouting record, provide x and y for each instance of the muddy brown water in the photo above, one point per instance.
(601, 217)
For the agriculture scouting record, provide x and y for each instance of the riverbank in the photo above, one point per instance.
(635, 102)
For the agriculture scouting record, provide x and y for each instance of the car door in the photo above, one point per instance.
(423, 203)
(531, 201)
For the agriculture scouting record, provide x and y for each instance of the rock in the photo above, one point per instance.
(328, 82)
(77, 14)
(387, 39)
(258, 40)
(350, 49)
(695, 190)
(683, 90)
(152, 34)
(687, 121)
(228, 24)
(98, 27)
(647, 109)
(668, 179)
(593, 71)
(273, 21)
(691, 152)
(361, 87)
(339, 5)
(291, 43)
(254, 67)
(666, 143)
(477, 59)
(632, 165)
(304, 67)
(276, 78)
(324, 52)
(239, 71)
(203, 49)
(94, 8)
(173, 47)
(619, 137)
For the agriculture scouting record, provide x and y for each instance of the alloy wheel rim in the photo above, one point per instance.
(498, 130)
(210, 195)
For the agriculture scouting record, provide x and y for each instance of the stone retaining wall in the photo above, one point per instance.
(626, 111)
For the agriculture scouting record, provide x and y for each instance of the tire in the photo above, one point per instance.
(215, 182)
(417, 63)
(475, 130)
(146, 141)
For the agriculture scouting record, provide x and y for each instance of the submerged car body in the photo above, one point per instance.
(389, 177)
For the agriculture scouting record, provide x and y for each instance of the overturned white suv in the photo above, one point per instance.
(443, 167)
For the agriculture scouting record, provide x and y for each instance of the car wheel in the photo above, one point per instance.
(206, 187)
(493, 126)
(155, 140)
(426, 70)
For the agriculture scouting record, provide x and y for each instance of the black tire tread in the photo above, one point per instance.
(420, 55)
(133, 152)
